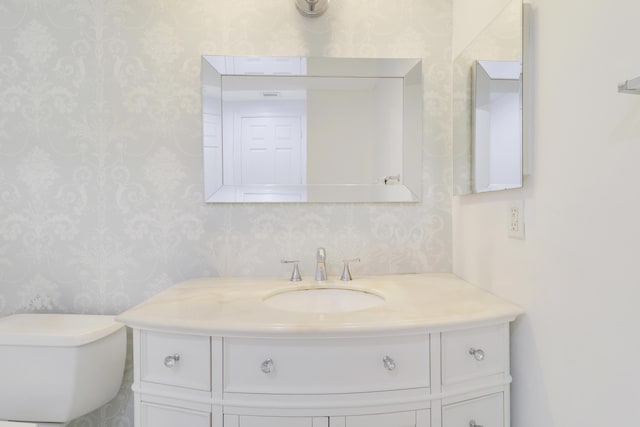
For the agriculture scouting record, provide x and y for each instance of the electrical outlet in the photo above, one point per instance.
(515, 220)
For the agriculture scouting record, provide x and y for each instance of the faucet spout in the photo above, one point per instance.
(321, 266)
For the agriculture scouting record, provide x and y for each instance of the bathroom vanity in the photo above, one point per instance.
(430, 351)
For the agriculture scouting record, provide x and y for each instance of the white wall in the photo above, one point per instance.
(387, 160)
(338, 135)
(470, 17)
(575, 352)
(101, 157)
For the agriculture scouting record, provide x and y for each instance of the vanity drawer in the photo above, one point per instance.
(304, 366)
(472, 354)
(176, 360)
(487, 411)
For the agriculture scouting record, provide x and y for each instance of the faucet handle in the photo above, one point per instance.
(295, 274)
(346, 274)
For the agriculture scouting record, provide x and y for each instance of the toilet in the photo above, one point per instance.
(57, 367)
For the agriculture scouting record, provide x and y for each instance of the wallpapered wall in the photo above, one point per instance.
(100, 152)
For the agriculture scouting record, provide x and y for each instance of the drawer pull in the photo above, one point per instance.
(472, 423)
(171, 361)
(477, 354)
(267, 366)
(389, 363)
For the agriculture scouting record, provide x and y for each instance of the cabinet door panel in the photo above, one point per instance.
(167, 416)
(251, 421)
(394, 419)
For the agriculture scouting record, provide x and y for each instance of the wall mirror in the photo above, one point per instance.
(488, 85)
(297, 129)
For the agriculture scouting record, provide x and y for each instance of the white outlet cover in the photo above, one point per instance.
(515, 219)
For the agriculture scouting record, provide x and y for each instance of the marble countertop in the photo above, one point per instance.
(235, 307)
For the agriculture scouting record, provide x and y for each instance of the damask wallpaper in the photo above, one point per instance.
(100, 152)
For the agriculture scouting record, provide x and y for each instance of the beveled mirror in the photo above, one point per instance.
(296, 129)
(488, 87)
(496, 125)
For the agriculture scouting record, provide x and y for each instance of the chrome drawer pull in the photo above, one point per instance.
(389, 363)
(472, 423)
(478, 354)
(267, 366)
(171, 361)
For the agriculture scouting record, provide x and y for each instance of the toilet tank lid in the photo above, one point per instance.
(55, 330)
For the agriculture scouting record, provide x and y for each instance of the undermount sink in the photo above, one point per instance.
(323, 300)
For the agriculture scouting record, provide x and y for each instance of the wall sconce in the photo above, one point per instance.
(312, 8)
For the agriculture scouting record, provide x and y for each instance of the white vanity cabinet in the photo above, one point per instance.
(455, 378)
(208, 353)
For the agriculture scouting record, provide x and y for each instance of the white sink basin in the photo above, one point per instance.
(323, 300)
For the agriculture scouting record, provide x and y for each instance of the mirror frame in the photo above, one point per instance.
(409, 187)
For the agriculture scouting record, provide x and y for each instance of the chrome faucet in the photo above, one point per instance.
(321, 267)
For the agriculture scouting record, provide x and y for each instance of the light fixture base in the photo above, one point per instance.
(312, 8)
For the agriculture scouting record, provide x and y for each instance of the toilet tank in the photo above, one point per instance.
(57, 367)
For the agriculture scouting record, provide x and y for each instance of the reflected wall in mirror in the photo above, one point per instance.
(488, 107)
(496, 123)
(295, 129)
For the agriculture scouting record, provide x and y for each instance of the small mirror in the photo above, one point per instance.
(488, 107)
(295, 129)
(496, 123)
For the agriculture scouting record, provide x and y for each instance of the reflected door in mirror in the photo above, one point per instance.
(271, 151)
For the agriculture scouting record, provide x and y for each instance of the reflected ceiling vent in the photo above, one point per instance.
(312, 8)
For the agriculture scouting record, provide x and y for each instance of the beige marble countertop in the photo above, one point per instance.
(235, 307)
